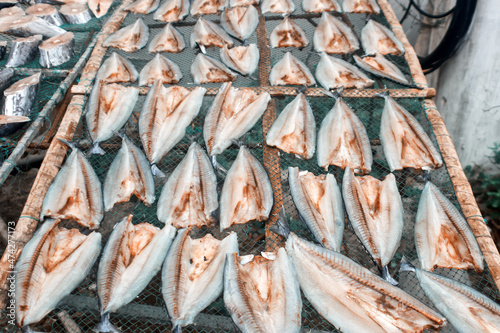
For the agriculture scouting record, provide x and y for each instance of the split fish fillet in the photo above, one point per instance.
(99, 7)
(288, 34)
(361, 6)
(262, 293)
(334, 36)
(209, 34)
(242, 3)
(277, 6)
(405, 143)
(380, 66)
(205, 69)
(205, 7)
(333, 73)
(443, 237)
(234, 112)
(343, 141)
(189, 197)
(291, 71)
(247, 194)
(132, 257)
(243, 59)
(192, 276)
(117, 69)
(131, 38)
(160, 69)
(53, 263)
(172, 11)
(167, 40)
(75, 193)
(377, 38)
(143, 6)
(164, 118)
(318, 6)
(294, 131)
(128, 174)
(319, 202)
(240, 22)
(351, 297)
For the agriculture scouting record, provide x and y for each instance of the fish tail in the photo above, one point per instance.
(177, 329)
(281, 226)
(386, 275)
(106, 326)
(156, 171)
(383, 94)
(406, 266)
(96, 150)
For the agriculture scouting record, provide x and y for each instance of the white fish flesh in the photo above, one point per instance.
(319, 202)
(19, 98)
(57, 50)
(288, 34)
(75, 194)
(209, 34)
(240, 22)
(23, 51)
(377, 38)
(405, 143)
(189, 197)
(380, 66)
(172, 11)
(343, 141)
(160, 69)
(167, 40)
(291, 71)
(294, 131)
(247, 193)
(29, 25)
(361, 6)
(333, 73)
(277, 6)
(11, 11)
(165, 115)
(334, 36)
(75, 13)
(351, 297)
(99, 7)
(242, 3)
(233, 113)
(205, 7)
(129, 174)
(443, 237)
(46, 12)
(243, 59)
(131, 38)
(53, 263)
(117, 69)
(262, 293)
(143, 6)
(192, 277)
(205, 69)
(318, 6)
(108, 109)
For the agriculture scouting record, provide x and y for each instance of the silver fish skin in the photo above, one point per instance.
(3, 49)
(262, 293)
(233, 112)
(288, 34)
(130, 38)
(243, 59)
(99, 7)
(75, 193)
(205, 7)
(143, 6)
(277, 6)
(405, 143)
(351, 297)
(247, 193)
(443, 237)
(332, 35)
(29, 25)
(19, 98)
(189, 197)
(23, 51)
(291, 71)
(192, 276)
(205, 69)
(377, 38)
(318, 6)
(361, 6)
(172, 11)
(53, 263)
(379, 65)
(46, 12)
(240, 22)
(209, 34)
(162, 69)
(333, 73)
(6, 76)
(167, 40)
(75, 13)
(319, 202)
(57, 50)
(294, 131)
(117, 69)
(11, 124)
(129, 174)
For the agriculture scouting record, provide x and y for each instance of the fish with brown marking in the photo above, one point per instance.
(205, 69)
(99, 7)
(240, 22)
(117, 69)
(172, 11)
(167, 40)
(288, 34)
(243, 59)
(209, 34)
(291, 71)
(143, 6)
(160, 69)
(361, 6)
(130, 38)
(377, 38)
(277, 6)
(318, 6)
(242, 3)
(333, 73)
(205, 7)
(334, 36)
(380, 66)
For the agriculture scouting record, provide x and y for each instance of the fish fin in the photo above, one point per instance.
(386, 275)
(96, 150)
(156, 171)
(383, 94)
(177, 329)
(281, 226)
(106, 326)
(406, 266)
(202, 48)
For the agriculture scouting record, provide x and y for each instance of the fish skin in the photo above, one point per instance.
(130, 38)
(377, 38)
(29, 25)
(233, 112)
(99, 7)
(143, 6)
(11, 11)
(172, 11)
(205, 7)
(75, 13)
(294, 130)
(57, 50)
(23, 51)
(46, 12)
(240, 22)
(160, 68)
(188, 288)
(406, 146)
(247, 193)
(243, 59)
(117, 69)
(277, 6)
(351, 297)
(381, 66)
(361, 6)
(333, 73)
(189, 197)
(75, 193)
(343, 140)
(288, 34)
(19, 98)
(6, 76)
(205, 69)
(129, 174)
(443, 237)
(291, 71)
(3, 49)
(209, 34)
(55, 261)
(167, 40)
(332, 35)
(318, 6)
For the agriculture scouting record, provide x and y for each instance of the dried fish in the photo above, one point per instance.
(165, 115)
(233, 113)
(12, 121)
(46, 12)
(204, 7)
(75, 13)
(343, 141)
(379, 39)
(23, 51)
(99, 7)
(247, 193)
(319, 202)
(3, 49)
(19, 98)
(361, 6)
(443, 237)
(351, 297)
(132, 257)
(131, 38)
(172, 11)
(333, 73)
(6, 76)
(291, 71)
(117, 69)
(143, 6)
(334, 36)
(277, 6)
(11, 124)
(29, 25)
(53, 263)
(205, 69)
(11, 11)
(192, 276)
(209, 34)
(242, 3)
(405, 143)
(294, 131)
(243, 59)
(288, 34)
(318, 6)
(57, 50)
(240, 22)
(167, 40)
(162, 69)
(128, 174)
(380, 66)
(262, 292)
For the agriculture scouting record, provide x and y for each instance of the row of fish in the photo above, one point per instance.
(72, 13)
